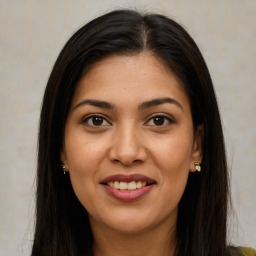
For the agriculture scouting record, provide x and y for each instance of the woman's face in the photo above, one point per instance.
(129, 143)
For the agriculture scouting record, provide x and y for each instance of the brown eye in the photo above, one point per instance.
(96, 121)
(159, 120)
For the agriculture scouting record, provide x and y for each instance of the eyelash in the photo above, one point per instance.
(165, 117)
(90, 117)
(87, 118)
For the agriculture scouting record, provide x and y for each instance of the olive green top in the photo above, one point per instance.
(247, 251)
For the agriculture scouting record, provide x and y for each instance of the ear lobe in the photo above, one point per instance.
(197, 150)
(63, 158)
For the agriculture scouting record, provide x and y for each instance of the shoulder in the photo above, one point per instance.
(247, 251)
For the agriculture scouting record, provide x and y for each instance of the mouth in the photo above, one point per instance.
(128, 187)
(128, 182)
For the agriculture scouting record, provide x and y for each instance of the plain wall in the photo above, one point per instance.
(31, 36)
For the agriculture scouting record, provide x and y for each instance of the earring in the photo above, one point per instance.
(198, 167)
(65, 169)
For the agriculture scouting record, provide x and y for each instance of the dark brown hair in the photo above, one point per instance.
(62, 226)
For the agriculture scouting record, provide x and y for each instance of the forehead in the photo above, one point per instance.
(129, 79)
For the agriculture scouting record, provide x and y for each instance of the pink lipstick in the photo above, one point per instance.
(128, 187)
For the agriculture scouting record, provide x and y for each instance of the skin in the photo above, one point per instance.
(130, 141)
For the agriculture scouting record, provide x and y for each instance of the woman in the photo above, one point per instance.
(131, 157)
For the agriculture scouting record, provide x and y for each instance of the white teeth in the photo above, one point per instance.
(116, 184)
(131, 185)
(123, 185)
(126, 185)
(138, 184)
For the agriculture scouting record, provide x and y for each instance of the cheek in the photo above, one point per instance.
(173, 154)
(173, 157)
(84, 151)
(84, 156)
(83, 173)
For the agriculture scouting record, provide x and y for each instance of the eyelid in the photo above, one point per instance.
(87, 117)
(106, 119)
(163, 115)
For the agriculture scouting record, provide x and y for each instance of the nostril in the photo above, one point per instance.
(127, 150)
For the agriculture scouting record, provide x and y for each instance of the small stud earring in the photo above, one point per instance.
(198, 167)
(64, 169)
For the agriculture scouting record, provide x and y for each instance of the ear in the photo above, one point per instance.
(197, 150)
(63, 158)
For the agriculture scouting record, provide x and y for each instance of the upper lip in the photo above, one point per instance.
(128, 178)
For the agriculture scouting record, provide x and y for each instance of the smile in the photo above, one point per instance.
(128, 187)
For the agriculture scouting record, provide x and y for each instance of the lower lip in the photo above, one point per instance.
(128, 195)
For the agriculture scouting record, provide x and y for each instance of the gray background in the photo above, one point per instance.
(31, 36)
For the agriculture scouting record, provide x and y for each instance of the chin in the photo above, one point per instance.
(131, 221)
(130, 227)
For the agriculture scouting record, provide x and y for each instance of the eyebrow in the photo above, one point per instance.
(155, 102)
(142, 106)
(96, 103)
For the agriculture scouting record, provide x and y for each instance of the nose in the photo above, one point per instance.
(127, 147)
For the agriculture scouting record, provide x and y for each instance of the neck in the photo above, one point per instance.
(160, 241)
